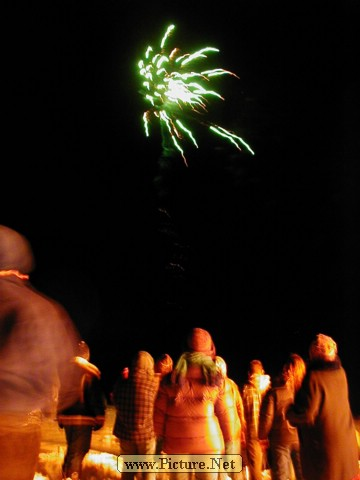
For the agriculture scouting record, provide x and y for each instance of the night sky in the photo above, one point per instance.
(261, 250)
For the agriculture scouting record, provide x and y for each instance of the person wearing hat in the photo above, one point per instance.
(322, 414)
(200, 340)
(37, 341)
(191, 415)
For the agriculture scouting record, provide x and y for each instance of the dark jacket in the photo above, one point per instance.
(90, 407)
(273, 424)
(327, 434)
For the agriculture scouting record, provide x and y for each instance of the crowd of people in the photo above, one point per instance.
(297, 425)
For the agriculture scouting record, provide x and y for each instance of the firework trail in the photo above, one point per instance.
(178, 95)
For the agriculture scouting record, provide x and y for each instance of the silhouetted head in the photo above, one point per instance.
(164, 364)
(258, 377)
(15, 251)
(142, 361)
(256, 367)
(294, 371)
(323, 348)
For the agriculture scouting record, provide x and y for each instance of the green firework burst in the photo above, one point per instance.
(177, 94)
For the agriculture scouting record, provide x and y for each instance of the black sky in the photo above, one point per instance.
(261, 250)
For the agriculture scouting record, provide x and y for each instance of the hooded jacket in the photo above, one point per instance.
(191, 414)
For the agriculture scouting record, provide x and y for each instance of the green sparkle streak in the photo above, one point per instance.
(178, 94)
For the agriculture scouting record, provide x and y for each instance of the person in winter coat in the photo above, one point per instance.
(273, 426)
(86, 415)
(134, 399)
(191, 414)
(37, 339)
(321, 412)
(236, 409)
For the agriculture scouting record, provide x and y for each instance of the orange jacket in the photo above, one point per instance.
(191, 417)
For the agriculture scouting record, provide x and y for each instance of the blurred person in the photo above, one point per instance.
(252, 394)
(235, 407)
(283, 439)
(322, 414)
(83, 417)
(37, 341)
(134, 400)
(191, 414)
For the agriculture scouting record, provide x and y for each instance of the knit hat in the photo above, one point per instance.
(323, 347)
(199, 340)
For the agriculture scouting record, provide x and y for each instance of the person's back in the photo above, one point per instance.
(85, 415)
(272, 421)
(252, 394)
(234, 403)
(236, 406)
(322, 414)
(186, 411)
(38, 339)
(235, 409)
(134, 399)
(273, 425)
(191, 415)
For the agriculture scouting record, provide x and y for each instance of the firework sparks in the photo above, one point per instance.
(178, 95)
